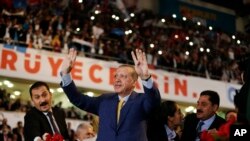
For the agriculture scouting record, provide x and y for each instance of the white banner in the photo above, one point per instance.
(41, 65)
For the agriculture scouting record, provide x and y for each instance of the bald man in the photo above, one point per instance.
(84, 132)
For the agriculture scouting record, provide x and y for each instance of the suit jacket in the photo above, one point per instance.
(133, 116)
(156, 130)
(189, 132)
(36, 124)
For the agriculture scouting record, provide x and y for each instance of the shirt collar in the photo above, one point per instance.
(208, 122)
(124, 98)
(171, 133)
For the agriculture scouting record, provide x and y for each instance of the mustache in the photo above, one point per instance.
(43, 103)
(199, 111)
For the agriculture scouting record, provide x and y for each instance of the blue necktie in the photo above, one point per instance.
(199, 127)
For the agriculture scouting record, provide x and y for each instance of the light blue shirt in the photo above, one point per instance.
(171, 133)
(124, 98)
(206, 125)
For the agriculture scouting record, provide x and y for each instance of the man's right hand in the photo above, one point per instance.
(69, 61)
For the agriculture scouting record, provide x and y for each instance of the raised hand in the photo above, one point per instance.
(141, 65)
(69, 61)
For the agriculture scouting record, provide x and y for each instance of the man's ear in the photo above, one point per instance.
(215, 107)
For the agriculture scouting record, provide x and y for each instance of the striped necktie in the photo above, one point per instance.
(55, 129)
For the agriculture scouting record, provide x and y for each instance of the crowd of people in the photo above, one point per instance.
(100, 31)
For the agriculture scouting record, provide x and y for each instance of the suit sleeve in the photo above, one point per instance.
(152, 98)
(32, 127)
(84, 102)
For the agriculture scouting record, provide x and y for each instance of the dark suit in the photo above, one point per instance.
(156, 130)
(36, 123)
(159, 133)
(189, 132)
(132, 123)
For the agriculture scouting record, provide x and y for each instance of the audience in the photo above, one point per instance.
(212, 53)
(51, 27)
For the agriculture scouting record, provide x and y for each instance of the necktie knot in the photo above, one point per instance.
(49, 114)
(199, 128)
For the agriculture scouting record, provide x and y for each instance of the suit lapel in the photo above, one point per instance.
(214, 123)
(44, 120)
(125, 109)
(113, 111)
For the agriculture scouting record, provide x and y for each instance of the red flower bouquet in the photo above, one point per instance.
(55, 137)
(221, 135)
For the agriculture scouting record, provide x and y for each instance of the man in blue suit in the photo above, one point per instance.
(131, 124)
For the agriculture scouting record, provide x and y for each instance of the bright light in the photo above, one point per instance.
(199, 23)
(60, 90)
(210, 28)
(97, 12)
(113, 16)
(201, 49)
(189, 109)
(233, 37)
(160, 52)
(6, 82)
(125, 20)
(176, 36)
(80, 1)
(238, 42)
(117, 18)
(195, 110)
(78, 29)
(191, 43)
(184, 18)
(132, 14)
(152, 45)
(11, 85)
(163, 20)
(12, 96)
(187, 52)
(126, 32)
(187, 38)
(17, 93)
(52, 90)
(92, 18)
(91, 94)
(208, 50)
(174, 16)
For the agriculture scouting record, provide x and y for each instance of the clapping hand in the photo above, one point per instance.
(69, 61)
(141, 65)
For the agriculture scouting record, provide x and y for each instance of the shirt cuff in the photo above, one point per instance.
(66, 79)
(37, 139)
(148, 84)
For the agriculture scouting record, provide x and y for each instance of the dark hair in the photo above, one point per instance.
(36, 85)
(240, 102)
(244, 67)
(213, 96)
(168, 108)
